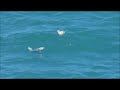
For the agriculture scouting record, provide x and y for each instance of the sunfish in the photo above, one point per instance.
(37, 49)
(60, 32)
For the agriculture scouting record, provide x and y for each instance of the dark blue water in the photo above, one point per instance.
(88, 49)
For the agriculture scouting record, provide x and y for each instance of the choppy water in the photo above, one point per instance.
(89, 48)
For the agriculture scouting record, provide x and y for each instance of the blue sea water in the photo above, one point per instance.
(88, 49)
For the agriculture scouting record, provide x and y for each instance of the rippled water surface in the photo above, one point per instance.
(88, 49)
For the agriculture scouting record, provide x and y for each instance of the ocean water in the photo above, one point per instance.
(89, 49)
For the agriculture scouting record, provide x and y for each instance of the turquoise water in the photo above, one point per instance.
(88, 49)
